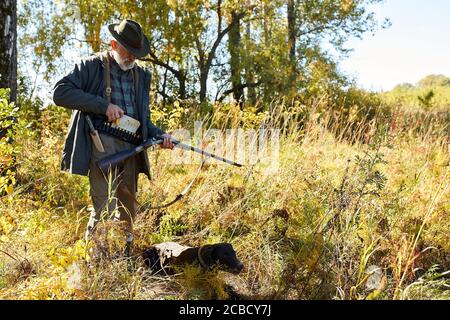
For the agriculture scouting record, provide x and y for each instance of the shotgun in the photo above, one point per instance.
(118, 158)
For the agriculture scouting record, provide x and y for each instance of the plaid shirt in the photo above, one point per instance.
(122, 89)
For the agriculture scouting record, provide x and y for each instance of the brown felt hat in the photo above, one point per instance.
(129, 34)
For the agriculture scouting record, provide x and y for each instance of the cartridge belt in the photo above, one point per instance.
(124, 135)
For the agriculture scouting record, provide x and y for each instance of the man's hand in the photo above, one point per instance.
(167, 143)
(114, 112)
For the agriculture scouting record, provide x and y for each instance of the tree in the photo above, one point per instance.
(292, 27)
(207, 50)
(234, 47)
(434, 80)
(249, 72)
(8, 47)
(256, 50)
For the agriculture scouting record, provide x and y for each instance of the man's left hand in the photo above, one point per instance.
(167, 143)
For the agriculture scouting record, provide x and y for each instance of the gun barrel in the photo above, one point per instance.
(203, 152)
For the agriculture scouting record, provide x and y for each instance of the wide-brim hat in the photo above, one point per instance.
(129, 34)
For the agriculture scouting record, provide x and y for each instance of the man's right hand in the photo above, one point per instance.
(114, 112)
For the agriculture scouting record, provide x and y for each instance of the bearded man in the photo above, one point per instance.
(100, 90)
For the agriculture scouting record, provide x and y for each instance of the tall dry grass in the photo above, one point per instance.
(358, 209)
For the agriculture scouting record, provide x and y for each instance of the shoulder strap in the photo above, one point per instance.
(108, 76)
(135, 74)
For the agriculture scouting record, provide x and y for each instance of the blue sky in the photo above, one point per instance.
(417, 44)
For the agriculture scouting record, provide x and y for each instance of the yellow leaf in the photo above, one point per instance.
(9, 189)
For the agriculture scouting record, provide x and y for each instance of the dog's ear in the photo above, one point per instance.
(221, 252)
(218, 251)
(214, 254)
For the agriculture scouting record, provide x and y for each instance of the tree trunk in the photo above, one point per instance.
(266, 89)
(182, 82)
(291, 19)
(8, 46)
(249, 74)
(164, 89)
(266, 24)
(204, 72)
(234, 43)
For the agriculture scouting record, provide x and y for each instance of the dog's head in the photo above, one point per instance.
(224, 256)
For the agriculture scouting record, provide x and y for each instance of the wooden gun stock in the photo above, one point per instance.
(116, 159)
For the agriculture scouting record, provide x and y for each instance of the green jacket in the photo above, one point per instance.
(84, 91)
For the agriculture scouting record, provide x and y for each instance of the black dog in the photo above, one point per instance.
(169, 255)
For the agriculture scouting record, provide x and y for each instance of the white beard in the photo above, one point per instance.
(124, 65)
